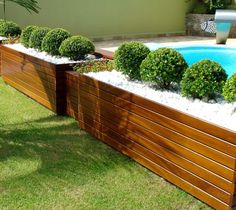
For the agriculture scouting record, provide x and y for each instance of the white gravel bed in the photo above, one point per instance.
(41, 55)
(221, 113)
(2, 38)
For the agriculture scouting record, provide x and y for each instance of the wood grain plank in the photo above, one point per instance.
(118, 112)
(179, 116)
(165, 152)
(211, 200)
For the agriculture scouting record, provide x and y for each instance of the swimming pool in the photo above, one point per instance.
(226, 56)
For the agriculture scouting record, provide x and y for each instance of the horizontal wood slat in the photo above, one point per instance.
(156, 168)
(40, 80)
(163, 150)
(187, 154)
(29, 93)
(107, 109)
(72, 94)
(191, 121)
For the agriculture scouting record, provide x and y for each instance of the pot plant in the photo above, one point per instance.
(200, 22)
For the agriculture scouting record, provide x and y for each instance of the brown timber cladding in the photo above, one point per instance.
(0, 58)
(72, 94)
(38, 79)
(197, 156)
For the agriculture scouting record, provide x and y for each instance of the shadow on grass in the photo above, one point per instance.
(63, 150)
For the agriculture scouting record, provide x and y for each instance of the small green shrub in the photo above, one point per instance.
(52, 41)
(229, 89)
(76, 47)
(204, 79)
(36, 37)
(9, 28)
(163, 66)
(128, 58)
(25, 35)
(94, 66)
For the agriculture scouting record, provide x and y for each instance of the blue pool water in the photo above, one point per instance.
(224, 55)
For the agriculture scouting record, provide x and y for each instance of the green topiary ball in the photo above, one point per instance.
(37, 36)
(76, 47)
(163, 66)
(128, 58)
(52, 41)
(9, 28)
(204, 79)
(229, 89)
(25, 35)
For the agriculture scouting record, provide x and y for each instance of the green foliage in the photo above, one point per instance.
(37, 36)
(76, 47)
(29, 5)
(25, 35)
(53, 39)
(94, 66)
(204, 79)
(128, 58)
(211, 5)
(229, 89)
(9, 28)
(200, 8)
(163, 66)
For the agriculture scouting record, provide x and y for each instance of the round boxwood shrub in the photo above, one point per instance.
(26, 33)
(76, 47)
(53, 39)
(229, 89)
(128, 58)
(37, 36)
(204, 79)
(163, 66)
(9, 28)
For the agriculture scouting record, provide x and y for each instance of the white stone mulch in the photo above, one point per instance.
(42, 55)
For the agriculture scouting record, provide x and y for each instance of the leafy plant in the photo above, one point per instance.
(211, 5)
(53, 39)
(76, 47)
(25, 35)
(229, 89)
(128, 58)
(94, 66)
(9, 28)
(163, 66)
(37, 36)
(29, 5)
(204, 79)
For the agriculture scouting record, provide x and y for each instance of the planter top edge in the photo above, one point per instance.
(213, 126)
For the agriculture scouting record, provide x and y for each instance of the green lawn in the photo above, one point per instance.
(47, 162)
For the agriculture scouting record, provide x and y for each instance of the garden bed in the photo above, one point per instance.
(39, 79)
(193, 154)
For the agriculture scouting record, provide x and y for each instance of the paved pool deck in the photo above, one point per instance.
(166, 40)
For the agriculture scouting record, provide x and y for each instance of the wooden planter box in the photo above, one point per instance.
(72, 94)
(195, 155)
(38, 79)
